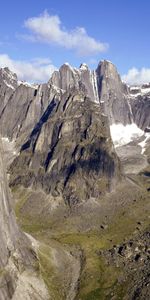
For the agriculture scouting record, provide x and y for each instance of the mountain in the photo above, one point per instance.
(77, 154)
(69, 146)
(103, 86)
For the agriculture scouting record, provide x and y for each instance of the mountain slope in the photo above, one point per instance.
(17, 254)
(69, 147)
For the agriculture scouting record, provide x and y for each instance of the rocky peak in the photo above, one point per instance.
(82, 79)
(8, 85)
(84, 67)
(107, 67)
(66, 78)
(8, 77)
(113, 94)
(102, 86)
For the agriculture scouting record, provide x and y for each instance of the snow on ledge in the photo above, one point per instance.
(122, 135)
(143, 143)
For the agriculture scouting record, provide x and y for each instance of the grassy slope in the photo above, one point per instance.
(98, 280)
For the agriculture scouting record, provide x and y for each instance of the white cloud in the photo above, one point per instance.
(37, 70)
(136, 76)
(48, 28)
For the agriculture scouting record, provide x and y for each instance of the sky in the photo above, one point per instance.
(37, 37)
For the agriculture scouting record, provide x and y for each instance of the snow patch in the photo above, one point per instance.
(57, 89)
(139, 90)
(143, 143)
(27, 84)
(94, 84)
(134, 88)
(6, 139)
(67, 64)
(9, 85)
(122, 135)
(84, 67)
(145, 90)
(9, 145)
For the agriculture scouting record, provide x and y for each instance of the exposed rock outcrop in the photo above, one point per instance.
(81, 79)
(141, 110)
(17, 254)
(113, 94)
(69, 152)
(24, 104)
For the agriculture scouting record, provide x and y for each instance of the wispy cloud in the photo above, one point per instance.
(36, 70)
(49, 29)
(136, 76)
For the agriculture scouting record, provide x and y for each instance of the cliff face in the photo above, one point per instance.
(69, 152)
(62, 129)
(113, 94)
(140, 104)
(17, 256)
(81, 79)
(23, 104)
(9, 232)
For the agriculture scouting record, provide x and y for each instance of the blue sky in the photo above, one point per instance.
(41, 35)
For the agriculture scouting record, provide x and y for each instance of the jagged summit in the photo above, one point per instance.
(84, 67)
(106, 62)
(102, 86)
(7, 72)
(8, 78)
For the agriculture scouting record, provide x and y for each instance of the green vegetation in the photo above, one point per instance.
(48, 272)
(98, 280)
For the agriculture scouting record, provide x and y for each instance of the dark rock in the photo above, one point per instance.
(69, 152)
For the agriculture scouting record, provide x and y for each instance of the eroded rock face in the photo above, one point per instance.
(9, 233)
(8, 84)
(16, 257)
(25, 107)
(113, 94)
(69, 153)
(81, 79)
(9, 230)
(23, 104)
(141, 110)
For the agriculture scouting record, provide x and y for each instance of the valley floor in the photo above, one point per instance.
(97, 250)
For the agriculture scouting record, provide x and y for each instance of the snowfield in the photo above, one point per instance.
(122, 135)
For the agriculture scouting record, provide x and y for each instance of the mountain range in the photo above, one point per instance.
(75, 168)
